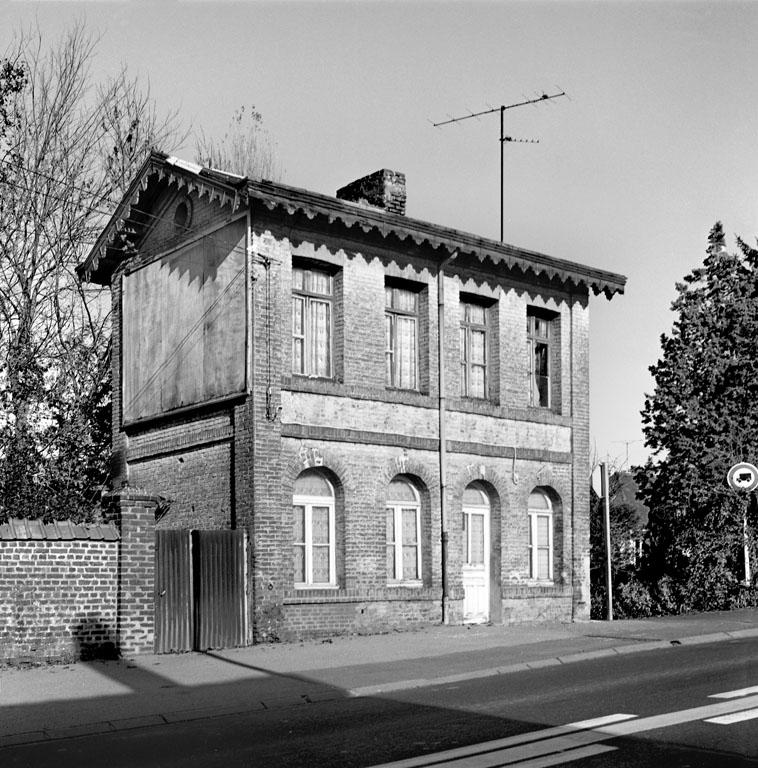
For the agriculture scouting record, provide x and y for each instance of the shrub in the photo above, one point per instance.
(632, 600)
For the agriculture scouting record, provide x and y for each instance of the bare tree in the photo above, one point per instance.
(68, 148)
(246, 148)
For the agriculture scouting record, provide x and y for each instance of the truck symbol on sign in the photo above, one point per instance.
(744, 478)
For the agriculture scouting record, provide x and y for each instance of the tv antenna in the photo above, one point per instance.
(503, 138)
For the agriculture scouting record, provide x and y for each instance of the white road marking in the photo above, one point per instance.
(551, 746)
(677, 718)
(735, 717)
(562, 747)
(499, 746)
(566, 757)
(735, 694)
(584, 725)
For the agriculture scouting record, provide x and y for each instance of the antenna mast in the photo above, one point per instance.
(503, 137)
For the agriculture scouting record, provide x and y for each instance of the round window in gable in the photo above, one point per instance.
(182, 216)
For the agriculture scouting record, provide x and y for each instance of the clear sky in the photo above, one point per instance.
(658, 140)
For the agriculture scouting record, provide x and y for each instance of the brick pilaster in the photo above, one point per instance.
(580, 422)
(133, 512)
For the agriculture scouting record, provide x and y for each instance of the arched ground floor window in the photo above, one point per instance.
(540, 536)
(404, 551)
(313, 541)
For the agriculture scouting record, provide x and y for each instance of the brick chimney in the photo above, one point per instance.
(383, 189)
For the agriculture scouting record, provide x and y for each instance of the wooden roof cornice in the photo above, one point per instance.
(131, 213)
(232, 190)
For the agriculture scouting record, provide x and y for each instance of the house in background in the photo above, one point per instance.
(626, 494)
(395, 414)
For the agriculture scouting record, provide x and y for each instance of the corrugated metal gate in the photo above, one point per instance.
(199, 590)
(173, 591)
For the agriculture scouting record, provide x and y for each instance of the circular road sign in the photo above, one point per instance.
(743, 477)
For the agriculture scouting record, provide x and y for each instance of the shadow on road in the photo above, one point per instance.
(238, 714)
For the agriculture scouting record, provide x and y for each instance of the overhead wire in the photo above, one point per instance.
(154, 249)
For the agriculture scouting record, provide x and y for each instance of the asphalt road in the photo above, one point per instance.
(687, 706)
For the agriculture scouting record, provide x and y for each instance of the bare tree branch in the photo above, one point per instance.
(68, 148)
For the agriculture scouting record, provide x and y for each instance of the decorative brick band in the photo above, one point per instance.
(526, 591)
(400, 594)
(335, 434)
(146, 446)
(507, 452)
(422, 400)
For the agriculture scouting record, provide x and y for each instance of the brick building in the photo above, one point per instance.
(276, 368)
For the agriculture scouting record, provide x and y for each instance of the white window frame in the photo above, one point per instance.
(308, 503)
(533, 340)
(533, 548)
(308, 298)
(392, 314)
(396, 508)
(468, 329)
(481, 507)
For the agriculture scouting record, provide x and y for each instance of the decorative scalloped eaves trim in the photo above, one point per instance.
(524, 264)
(176, 178)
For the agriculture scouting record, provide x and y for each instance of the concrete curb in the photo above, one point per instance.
(314, 697)
(620, 650)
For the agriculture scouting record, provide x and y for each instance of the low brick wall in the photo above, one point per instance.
(58, 591)
(79, 591)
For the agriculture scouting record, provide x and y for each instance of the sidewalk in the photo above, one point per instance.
(43, 703)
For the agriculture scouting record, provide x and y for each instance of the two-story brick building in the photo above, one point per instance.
(396, 412)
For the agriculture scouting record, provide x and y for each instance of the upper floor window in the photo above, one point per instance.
(538, 339)
(403, 532)
(473, 350)
(312, 292)
(313, 539)
(401, 335)
(540, 536)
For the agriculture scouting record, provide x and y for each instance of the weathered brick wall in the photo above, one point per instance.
(58, 598)
(356, 614)
(271, 324)
(538, 607)
(580, 393)
(119, 471)
(196, 481)
(70, 591)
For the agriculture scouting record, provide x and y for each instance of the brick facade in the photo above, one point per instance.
(235, 463)
(57, 598)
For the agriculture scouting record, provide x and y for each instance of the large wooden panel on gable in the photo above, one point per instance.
(184, 324)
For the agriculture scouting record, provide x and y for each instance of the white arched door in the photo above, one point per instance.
(476, 555)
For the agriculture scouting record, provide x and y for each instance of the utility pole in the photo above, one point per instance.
(503, 137)
(607, 531)
(743, 478)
